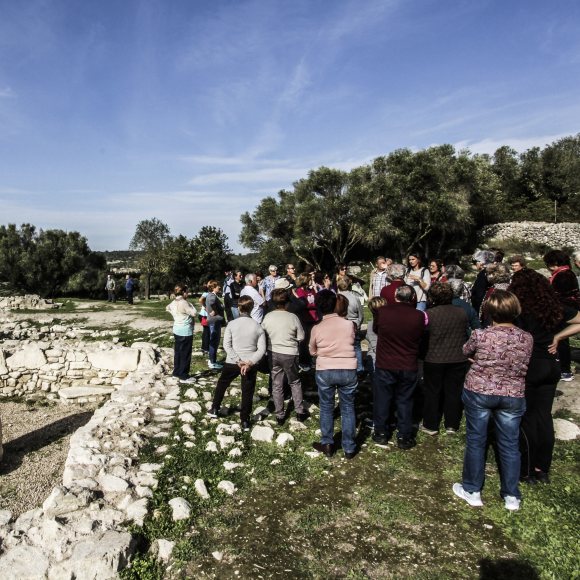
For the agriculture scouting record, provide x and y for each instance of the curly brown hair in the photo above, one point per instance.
(537, 298)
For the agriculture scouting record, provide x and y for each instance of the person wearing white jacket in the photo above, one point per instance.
(183, 324)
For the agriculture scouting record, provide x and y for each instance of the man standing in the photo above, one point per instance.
(379, 276)
(399, 328)
(250, 289)
(270, 281)
(227, 295)
(236, 287)
(110, 288)
(284, 333)
(129, 287)
(291, 275)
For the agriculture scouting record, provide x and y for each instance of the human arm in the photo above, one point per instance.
(572, 328)
(470, 346)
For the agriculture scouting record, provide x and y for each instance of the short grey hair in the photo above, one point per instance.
(250, 278)
(396, 271)
(484, 256)
(404, 293)
(457, 286)
(454, 271)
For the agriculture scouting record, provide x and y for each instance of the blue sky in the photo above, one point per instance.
(116, 111)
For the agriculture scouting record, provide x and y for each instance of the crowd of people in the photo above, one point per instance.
(438, 348)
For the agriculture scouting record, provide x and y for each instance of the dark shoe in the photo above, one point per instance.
(542, 477)
(246, 425)
(350, 455)
(380, 438)
(213, 413)
(302, 416)
(528, 480)
(406, 442)
(326, 448)
(280, 421)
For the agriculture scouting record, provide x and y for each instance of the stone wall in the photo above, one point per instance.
(27, 302)
(553, 235)
(80, 530)
(72, 370)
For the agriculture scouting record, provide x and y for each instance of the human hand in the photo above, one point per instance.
(553, 347)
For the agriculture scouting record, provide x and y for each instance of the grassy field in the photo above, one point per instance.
(385, 514)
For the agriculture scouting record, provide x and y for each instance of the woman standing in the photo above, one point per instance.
(445, 364)
(215, 319)
(332, 342)
(494, 387)
(543, 317)
(308, 317)
(565, 284)
(183, 323)
(419, 278)
(436, 269)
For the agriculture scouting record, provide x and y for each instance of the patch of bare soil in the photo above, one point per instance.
(36, 441)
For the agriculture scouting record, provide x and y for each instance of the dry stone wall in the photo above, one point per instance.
(80, 529)
(72, 370)
(553, 235)
(27, 302)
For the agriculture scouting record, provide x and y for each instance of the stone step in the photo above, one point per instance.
(69, 393)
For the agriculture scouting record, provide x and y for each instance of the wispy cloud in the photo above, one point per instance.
(490, 145)
(7, 93)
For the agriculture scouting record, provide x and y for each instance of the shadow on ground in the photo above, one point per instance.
(16, 450)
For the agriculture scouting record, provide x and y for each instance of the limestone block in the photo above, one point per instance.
(120, 359)
(190, 406)
(30, 356)
(112, 483)
(137, 510)
(283, 439)
(162, 549)
(262, 433)
(70, 393)
(181, 508)
(23, 562)
(565, 430)
(100, 557)
(201, 489)
(61, 502)
(227, 487)
(3, 367)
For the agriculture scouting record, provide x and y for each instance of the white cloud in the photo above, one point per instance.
(7, 93)
(520, 144)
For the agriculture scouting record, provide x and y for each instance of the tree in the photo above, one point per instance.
(150, 239)
(212, 254)
(321, 220)
(40, 262)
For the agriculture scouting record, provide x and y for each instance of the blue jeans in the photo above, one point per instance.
(345, 381)
(507, 413)
(358, 352)
(235, 312)
(397, 386)
(422, 306)
(215, 331)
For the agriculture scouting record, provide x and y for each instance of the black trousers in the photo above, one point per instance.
(205, 339)
(228, 374)
(537, 427)
(182, 356)
(443, 385)
(565, 355)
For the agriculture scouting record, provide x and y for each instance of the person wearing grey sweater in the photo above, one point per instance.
(284, 332)
(245, 346)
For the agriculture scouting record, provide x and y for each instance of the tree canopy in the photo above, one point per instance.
(42, 261)
(433, 200)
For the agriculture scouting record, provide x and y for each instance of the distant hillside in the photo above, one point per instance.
(122, 260)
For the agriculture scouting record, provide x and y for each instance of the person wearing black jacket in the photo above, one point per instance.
(481, 259)
(235, 288)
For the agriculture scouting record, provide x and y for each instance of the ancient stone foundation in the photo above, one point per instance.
(27, 302)
(80, 530)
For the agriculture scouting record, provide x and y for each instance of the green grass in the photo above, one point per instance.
(385, 514)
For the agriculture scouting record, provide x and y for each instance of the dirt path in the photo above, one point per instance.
(36, 440)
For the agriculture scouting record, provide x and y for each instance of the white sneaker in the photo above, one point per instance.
(189, 381)
(512, 503)
(473, 498)
(428, 431)
(216, 366)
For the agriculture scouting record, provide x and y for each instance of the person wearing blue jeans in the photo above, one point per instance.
(494, 387)
(332, 343)
(215, 319)
(507, 414)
